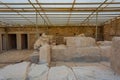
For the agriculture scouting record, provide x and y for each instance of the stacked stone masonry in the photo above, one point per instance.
(112, 29)
(30, 31)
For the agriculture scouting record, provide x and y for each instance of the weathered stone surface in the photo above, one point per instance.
(86, 54)
(61, 73)
(94, 73)
(14, 72)
(40, 41)
(58, 40)
(34, 58)
(80, 41)
(44, 54)
(2, 30)
(57, 52)
(62, 31)
(104, 43)
(89, 71)
(105, 53)
(38, 72)
(112, 29)
(31, 40)
(43, 48)
(115, 57)
(81, 35)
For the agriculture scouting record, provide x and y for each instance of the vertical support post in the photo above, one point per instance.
(28, 38)
(88, 26)
(0, 42)
(116, 26)
(19, 46)
(46, 28)
(6, 39)
(88, 22)
(96, 32)
(37, 32)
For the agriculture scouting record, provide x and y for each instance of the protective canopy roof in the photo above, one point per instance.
(58, 12)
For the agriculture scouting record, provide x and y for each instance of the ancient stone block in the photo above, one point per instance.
(44, 54)
(61, 73)
(80, 41)
(85, 54)
(34, 58)
(115, 57)
(105, 53)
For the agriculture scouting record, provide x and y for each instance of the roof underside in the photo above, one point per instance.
(58, 12)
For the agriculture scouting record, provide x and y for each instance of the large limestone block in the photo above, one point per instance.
(14, 72)
(70, 53)
(104, 43)
(58, 51)
(88, 51)
(58, 40)
(96, 72)
(59, 46)
(44, 54)
(38, 72)
(80, 41)
(61, 73)
(105, 52)
(89, 54)
(115, 57)
(34, 57)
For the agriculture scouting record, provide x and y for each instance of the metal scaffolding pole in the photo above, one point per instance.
(97, 9)
(96, 33)
(44, 12)
(37, 32)
(71, 12)
(37, 11)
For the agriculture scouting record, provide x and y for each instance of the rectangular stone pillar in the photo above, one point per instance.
(19, 46)
(31, 40)
(115, 57)
(28, 36)
(0, 42)
(3, 42)
(6, 41)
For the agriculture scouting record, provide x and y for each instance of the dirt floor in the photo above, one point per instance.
(14, 56)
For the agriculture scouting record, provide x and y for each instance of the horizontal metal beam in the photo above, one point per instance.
(105, 10)
(56, 14)
(90, 3)
(59, 8)
(56, 17)
(52, 19)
